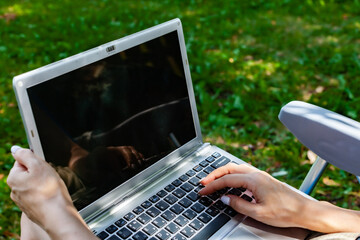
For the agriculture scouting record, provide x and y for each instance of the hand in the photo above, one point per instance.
(276, 204)
(133, 158)
(41, 194)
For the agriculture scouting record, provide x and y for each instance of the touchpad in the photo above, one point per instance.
(241, 233)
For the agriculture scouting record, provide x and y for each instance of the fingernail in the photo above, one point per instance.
(225, 200)
(14, 149)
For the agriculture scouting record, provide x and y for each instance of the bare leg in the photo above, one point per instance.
(31, 231)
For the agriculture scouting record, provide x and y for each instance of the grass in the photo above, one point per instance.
(248, 59)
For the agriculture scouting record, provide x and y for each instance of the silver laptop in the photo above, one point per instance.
(120, 126)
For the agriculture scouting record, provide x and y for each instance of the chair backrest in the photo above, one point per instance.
(333, 137)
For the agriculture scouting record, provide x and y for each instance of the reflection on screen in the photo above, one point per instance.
(103, 123)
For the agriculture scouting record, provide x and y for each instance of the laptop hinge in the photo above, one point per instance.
(197, 150)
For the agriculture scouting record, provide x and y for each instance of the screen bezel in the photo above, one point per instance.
(37, 76)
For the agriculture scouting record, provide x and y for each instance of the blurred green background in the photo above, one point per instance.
(248, 59)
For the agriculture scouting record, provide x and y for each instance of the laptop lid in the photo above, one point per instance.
(103, 116)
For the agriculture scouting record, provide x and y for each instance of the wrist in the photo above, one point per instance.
(69, 225)
(327, 218)
(62, 221)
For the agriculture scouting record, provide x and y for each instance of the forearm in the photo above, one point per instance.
(327, 218)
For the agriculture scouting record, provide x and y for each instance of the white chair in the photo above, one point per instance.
(335, 139)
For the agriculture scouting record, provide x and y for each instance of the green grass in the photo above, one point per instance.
(248, 59)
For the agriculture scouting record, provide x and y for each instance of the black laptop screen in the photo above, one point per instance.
(105, 122)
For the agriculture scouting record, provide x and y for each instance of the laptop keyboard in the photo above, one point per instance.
(177, 212)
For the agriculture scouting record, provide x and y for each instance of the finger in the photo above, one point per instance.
(23, 156)
(126, 153)
(136, 155)
(231, 180)
(15, 174)
(240, 205)
(227, 169)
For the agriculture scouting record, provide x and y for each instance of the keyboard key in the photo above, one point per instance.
(162, 205)
(190, 173)
(150, 229)
(185, 202)
(120, 223)
(230, 211)
(168, 215)
(163, 235)
(190, 214)
(201, 175)
(242, 189)
(184, 178)
(197, 168)
(210, 159)
(134, 225)
(181, 221)
(146, 204)
(197, 207)
(153, 212)
(178, 237)
(171, 199)
(172, 228)
(138, 210)
(205, 218)
(194, 181)
(177, 183)
(204, 163)
(209, 169)
(169, 187)
(113, 237)
(130, 216)
(187, 187)
(196, 224)
(111, 229)
(162, 193)
(102, 235)
(214, 196)
(216, 155)
(219, 205)
(220, 162)
(159, 222)
(198, 188)
(179, 193)
(140, 236)
(193, 196)
(235, 192)
(124, 233)
(188, 232)
(246, 197)
(154, 199)
(205, 201)
(144, 218)
(222, 191)
(212, 211)
(177, 209)
(212, 227)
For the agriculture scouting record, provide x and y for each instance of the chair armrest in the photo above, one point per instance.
(333, 137)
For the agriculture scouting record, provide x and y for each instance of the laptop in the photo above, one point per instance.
(119, 124)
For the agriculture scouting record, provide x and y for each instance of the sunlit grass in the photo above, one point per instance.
(247, 58)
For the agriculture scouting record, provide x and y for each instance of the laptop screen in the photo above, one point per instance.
(103, 123)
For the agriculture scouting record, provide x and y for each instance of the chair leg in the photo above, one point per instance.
(358, 178)
(313, 175)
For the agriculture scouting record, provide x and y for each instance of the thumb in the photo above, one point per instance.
(25, 157)
(240, 205)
